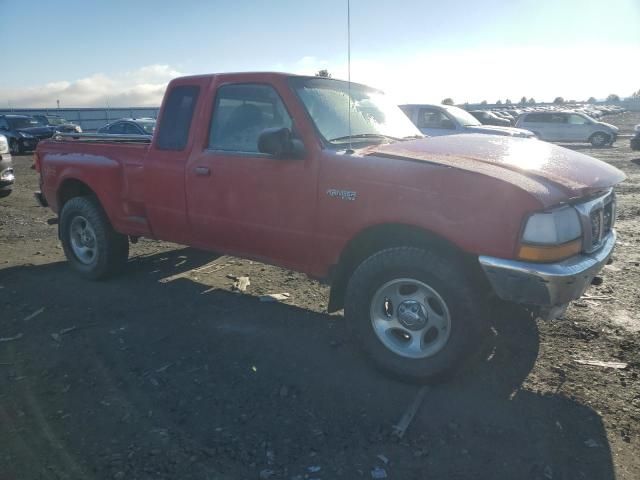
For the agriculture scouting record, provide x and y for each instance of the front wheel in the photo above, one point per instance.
(599, 139)
(90, 243)
(414, 312)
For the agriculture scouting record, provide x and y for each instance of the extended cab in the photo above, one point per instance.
(312, 174)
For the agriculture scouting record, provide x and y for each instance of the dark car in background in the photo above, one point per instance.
(490, 118)
(23, 132)
(58, 123)
(130, 126)
(6, 168)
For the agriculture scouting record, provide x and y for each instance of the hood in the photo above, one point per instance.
(37, 131)
(578, 175)
(495, 130)
(609, 126)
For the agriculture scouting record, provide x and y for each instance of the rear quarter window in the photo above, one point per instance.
(175, 123)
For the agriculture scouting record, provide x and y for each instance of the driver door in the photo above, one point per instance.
(245, 202)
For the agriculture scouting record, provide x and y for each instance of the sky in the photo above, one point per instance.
(123, 53)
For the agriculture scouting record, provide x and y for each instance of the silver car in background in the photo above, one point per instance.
(568, 126)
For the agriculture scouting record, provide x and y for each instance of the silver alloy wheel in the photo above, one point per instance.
(410, 318)
(83, 240)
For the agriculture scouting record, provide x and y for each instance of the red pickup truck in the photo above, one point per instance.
(333, 180)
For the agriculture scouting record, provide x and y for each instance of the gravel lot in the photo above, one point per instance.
(165, 372)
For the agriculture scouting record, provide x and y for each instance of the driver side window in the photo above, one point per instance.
(431, 118)
(241, 113)
(577, 120)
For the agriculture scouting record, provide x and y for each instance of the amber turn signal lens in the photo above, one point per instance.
(537, 253)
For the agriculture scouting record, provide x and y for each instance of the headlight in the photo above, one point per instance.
(4, 146)
(550, 236)
(25, 135)
(78, 129)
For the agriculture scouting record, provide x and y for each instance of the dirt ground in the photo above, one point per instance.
(165, 373)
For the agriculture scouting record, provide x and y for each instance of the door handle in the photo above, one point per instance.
(202, 171)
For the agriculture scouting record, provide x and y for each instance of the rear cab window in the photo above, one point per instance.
(173, 131)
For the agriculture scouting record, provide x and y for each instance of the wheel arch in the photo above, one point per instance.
(389, 235)
(70, 188)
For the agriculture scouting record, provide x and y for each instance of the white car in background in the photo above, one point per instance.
(436, 120)
(568, 126)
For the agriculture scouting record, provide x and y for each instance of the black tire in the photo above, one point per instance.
(444, 275)
(5, 193)
(599, 139)
(14, 147)
(111, 249)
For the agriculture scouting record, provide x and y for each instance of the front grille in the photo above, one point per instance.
(598, 218)
(608, 217)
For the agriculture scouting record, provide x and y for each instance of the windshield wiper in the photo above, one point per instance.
(364, 135)
(413, 137)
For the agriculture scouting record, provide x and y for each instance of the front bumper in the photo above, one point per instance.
(7, 177)
(546, 284)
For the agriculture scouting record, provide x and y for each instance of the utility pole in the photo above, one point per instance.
(58, 102)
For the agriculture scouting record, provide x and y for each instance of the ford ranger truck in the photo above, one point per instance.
(311, 174)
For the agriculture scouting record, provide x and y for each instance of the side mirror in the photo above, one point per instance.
(280, 143)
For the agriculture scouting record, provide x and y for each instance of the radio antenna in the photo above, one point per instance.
(349, 68)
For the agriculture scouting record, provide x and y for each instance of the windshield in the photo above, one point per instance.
(56, 120)
(462, 116)
(372, 114)
(148, 127)
(22, 122)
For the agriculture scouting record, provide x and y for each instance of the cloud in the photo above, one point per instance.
(142, 87)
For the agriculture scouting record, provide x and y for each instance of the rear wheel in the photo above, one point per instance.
(414, 312)
(599, 139)
(90, 243)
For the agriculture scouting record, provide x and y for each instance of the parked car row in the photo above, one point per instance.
(23, 132)
(557, 123)
(497, 116)
(436, 120)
